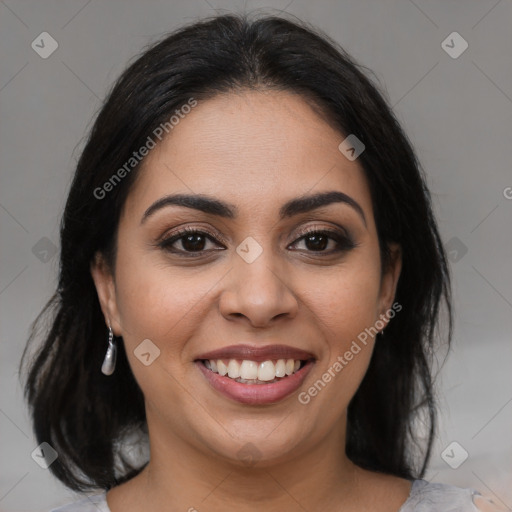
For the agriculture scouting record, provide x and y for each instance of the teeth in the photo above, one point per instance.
(222, 369)
(233, 369)
(281, 368)
(267, 371)
(251, 371)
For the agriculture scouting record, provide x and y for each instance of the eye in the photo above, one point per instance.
(318, 240)
(191, 241)
(194, 242)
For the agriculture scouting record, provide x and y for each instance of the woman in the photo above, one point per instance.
(249, 255)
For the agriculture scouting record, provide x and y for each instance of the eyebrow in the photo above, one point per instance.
(226, 210)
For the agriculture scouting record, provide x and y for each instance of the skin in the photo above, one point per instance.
(255, 150)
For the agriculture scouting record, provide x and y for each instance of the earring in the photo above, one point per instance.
(109, 363)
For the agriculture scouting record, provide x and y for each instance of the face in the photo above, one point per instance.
(263, 268)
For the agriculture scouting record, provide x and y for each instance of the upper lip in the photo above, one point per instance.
(258, 354)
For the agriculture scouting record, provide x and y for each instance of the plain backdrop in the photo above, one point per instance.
(455, 104)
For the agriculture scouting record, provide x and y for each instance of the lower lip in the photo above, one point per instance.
(256, 394)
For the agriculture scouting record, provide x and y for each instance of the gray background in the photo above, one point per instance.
(457, 112)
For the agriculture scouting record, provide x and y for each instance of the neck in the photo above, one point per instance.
(182, 477)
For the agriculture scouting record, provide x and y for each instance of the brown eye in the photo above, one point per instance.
(318, 241)
(191, 241)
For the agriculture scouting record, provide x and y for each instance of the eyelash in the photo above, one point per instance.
(344, 243)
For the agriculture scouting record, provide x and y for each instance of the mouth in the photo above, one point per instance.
(255, 382)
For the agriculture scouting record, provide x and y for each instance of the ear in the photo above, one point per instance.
(389, 280)
(105, 288)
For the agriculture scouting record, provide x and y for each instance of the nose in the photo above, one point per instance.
(259, 292)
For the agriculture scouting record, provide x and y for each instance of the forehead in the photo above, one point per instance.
(254, 149)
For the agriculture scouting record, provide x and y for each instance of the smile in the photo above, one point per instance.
(251, 382)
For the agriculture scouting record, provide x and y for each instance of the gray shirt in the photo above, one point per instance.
(423, 497)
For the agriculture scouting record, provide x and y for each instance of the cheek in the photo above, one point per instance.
(345, 304)
(159, 302)
(345, 300)
(344, 313)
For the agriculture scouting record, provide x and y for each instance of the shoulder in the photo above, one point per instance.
(427, 497)
(95, 503)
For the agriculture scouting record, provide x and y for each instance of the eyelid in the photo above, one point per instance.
(183, 231)
(219, 237)
(330, 229)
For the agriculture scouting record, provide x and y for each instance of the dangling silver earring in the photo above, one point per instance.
(109, 363)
